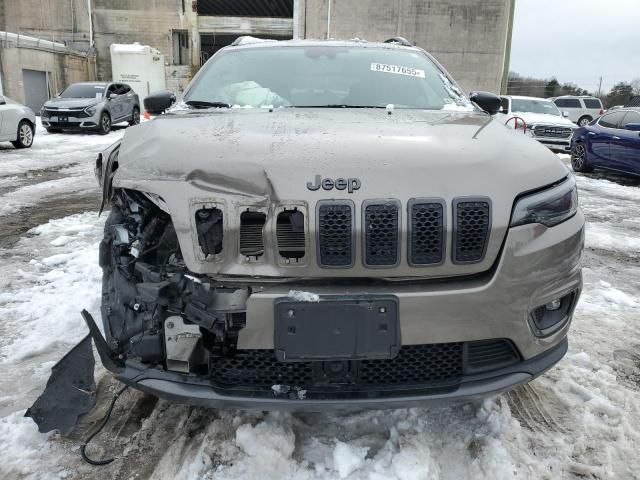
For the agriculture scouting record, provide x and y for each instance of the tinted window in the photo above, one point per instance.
(568, 103)
(83, 90)
(631, 117)
(611, 120)
(534, 106)
(592, 103)
(321, 76)
(124, 89)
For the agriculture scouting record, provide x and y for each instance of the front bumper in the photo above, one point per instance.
(555, 144)
(191, 390)
(71, 122)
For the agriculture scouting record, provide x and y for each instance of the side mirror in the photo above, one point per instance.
(487, 101)
(111, 96)
(634, 127)
(157, 102)
(2, 100)
(565, 114)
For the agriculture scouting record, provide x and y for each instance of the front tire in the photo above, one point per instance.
(584, 121)
(105, 124)
(25, 135)
(579, 158)
(135, 117)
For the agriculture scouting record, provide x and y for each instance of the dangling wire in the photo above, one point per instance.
(106, 418)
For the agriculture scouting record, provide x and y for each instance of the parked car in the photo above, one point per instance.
(582, 110)
(611, 142)
(91, 106)
(17, 123)
(543, 120)
(364, 236)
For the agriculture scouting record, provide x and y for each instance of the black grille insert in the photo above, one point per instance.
(335, 234)
(381, 221)
(472, 219)
(290, 234)
(415, 368)
(484, 355)
(252, 233)
(426, 239)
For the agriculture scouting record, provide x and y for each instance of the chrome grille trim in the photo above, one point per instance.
(551, 131)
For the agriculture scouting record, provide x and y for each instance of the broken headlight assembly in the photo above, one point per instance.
(549, 207)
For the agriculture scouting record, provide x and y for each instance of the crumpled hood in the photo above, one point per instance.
(239, 159)
(408, 152)
(71, 102)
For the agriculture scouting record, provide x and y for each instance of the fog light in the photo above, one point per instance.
(554, 305)
(552, 316)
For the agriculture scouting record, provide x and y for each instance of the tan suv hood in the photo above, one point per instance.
(257, 157)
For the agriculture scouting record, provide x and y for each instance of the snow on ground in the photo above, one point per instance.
(54, 165)
(579, 420)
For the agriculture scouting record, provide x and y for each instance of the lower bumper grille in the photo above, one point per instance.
(64, 124)
(439, 365)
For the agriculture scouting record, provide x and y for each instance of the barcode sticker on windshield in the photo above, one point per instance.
(385, 68)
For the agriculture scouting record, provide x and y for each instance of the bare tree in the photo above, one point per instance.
(635, 85)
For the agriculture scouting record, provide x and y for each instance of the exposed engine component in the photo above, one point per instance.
(153, 308)
(210, 230)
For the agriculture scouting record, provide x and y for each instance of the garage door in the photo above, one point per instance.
(36, 91)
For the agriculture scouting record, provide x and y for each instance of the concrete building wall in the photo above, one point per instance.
(149, 22)
(57, 20)
(61, 69)
(468, 37)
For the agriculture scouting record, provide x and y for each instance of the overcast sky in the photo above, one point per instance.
(577, 41)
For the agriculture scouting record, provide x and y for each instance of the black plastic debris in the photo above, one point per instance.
(70, 391)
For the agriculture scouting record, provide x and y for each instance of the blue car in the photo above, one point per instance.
(611, 142)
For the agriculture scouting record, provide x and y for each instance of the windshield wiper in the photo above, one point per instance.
(205, 104)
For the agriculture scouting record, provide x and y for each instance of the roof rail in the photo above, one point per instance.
(400, 41)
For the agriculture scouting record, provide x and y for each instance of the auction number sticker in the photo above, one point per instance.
(397, 69)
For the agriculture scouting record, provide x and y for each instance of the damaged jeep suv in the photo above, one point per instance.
(333, 225)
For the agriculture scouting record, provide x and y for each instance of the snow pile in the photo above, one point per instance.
(300, 296)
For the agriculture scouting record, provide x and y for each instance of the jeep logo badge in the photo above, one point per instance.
(349, 184)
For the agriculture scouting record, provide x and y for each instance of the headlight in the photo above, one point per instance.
(548, 207)
(530, 130)
(90, 110)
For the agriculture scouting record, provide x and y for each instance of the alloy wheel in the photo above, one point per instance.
(578, 156)
(26, 135)
(106, 123)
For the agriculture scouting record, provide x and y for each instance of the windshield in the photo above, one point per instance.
(324, 76)
(534, 106)
(83, 90)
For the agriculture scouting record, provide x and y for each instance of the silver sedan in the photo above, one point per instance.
(17, 123)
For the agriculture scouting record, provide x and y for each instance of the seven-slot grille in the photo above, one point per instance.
(472, 220)
(381, 222)
(335, 234)
(382, 228)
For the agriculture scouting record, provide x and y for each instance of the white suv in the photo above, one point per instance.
(581, 110)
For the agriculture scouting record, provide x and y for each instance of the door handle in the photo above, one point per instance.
(615, 138)
(591, 134)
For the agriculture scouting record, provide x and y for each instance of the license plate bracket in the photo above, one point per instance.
(337, 328)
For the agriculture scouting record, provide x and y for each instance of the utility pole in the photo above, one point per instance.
(600, 87)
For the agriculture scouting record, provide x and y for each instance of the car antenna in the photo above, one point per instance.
(390, 108)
